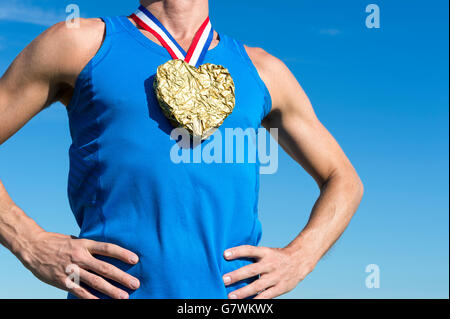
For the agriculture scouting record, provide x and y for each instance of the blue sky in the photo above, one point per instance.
(383, 93)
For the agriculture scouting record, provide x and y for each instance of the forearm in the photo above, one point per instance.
(16, 228)
(338, 201)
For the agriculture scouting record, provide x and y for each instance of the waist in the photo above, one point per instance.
(180, 251)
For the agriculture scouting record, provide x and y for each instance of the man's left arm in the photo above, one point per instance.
(308, 142)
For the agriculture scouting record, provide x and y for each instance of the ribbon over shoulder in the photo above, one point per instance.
(198, 48)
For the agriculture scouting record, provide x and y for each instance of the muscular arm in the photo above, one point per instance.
(43, 73)
(32, 82)
(308, 142)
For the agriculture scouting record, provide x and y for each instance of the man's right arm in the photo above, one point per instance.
(43, 73)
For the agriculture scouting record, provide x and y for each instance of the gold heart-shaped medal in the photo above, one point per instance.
(197, 99)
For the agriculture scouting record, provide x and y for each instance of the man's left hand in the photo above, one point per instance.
(280, 270)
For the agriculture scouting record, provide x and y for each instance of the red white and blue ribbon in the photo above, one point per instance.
(200, 45)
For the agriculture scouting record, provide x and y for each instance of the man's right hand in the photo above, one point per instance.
(48, 255)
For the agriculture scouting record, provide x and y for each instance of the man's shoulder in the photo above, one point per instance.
(258, 54)
(83, 37)
(80, 26)
(64, 49)
(266, 64)
(272, 70)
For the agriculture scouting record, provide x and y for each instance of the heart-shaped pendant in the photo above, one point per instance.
(197, 99)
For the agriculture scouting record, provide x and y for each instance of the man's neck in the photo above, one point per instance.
(182, 18)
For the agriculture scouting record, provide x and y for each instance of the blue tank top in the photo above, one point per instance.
(124, 188)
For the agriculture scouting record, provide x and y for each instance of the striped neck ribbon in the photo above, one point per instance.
(198, 48)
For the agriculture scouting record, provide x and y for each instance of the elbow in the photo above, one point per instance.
(359, 188)
(350, 183)
(355, 184)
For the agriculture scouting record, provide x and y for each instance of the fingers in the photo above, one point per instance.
(277, 267)
(111, 250)
(253, 288)
(242, 273)
(244, 251)
(268, 294)
(109, 271)
(82, 293)
(102, 285)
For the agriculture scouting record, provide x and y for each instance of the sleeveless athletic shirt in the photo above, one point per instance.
(124, 188)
